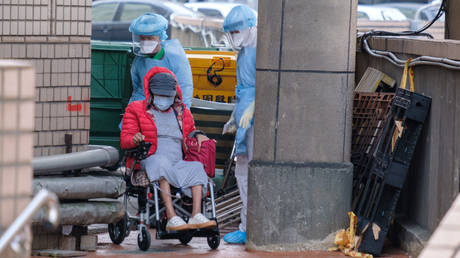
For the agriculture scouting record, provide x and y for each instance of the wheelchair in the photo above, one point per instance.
(151, 211)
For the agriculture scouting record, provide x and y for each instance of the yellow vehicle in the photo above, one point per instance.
(214, 75)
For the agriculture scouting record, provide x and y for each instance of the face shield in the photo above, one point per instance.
(236, 25)
(147, 32)
(243, 38)
(230, 40)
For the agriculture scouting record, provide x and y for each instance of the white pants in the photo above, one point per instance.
(241, 174)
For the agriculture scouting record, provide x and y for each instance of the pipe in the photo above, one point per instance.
(44, 197)
(98, 155)
(421, 60)
(227, 196)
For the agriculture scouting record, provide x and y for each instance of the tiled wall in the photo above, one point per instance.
(55, 36)
(17, 91)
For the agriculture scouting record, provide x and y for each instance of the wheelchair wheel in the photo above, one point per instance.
(145, 243)
(214, 241)
(119, 230)
(185, 238)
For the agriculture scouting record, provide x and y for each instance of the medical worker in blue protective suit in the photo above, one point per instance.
(152, 49)
(240, 23)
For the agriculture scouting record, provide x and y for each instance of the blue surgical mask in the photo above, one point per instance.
(163, 103)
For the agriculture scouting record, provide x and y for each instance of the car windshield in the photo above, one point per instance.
(179, 9)
(133, 10)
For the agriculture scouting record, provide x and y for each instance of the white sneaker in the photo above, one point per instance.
(200, 221)
(176, 223)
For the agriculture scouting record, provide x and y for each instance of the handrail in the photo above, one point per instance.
(44, 197)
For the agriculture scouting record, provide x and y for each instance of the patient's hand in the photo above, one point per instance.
(137, 138)
(201, 138)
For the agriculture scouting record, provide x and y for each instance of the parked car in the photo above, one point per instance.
(409, 9)
(251, 3)
(428, 12)
(375, 13)
(111, 18)
(217, 10)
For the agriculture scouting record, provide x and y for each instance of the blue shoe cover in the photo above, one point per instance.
(236, 237)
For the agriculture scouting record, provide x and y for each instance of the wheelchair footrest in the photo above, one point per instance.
(203, 232)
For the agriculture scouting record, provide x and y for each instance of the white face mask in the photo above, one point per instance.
(147, 46)
(245, 38)
(162, 102)
(238, 38)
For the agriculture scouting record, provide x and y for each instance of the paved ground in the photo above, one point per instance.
(445, 241)
(198, 247)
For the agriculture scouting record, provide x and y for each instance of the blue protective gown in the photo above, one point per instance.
(175, 60)
(245, 93)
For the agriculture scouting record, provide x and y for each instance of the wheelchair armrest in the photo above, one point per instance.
(140, 152)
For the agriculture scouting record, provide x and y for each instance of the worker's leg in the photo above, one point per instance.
(241, 174)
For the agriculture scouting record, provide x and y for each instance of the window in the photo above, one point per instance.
(104, 12)
(132, 11)
(362, 15)
(408, 12)
(393, 15)
(210, 12)
(424, 17)
(180, 9)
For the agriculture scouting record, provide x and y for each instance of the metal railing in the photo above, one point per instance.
(44, 197)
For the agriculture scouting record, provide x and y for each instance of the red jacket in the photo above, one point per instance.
(137, 119)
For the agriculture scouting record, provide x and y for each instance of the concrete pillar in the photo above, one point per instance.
(17, 108)
(300, 179)
(452, 25)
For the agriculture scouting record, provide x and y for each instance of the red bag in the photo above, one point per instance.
(207, 154)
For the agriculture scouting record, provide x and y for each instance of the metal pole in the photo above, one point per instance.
(44, 197)
(157, 212)
(211, 190)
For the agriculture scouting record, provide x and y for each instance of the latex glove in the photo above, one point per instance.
(247, 116)
(230, 126)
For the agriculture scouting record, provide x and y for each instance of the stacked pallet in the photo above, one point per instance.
(377, 191)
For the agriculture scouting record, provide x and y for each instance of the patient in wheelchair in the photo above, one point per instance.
(166, 122)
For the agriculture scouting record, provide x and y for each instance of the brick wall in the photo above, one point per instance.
(16, 139)
(55, 36)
